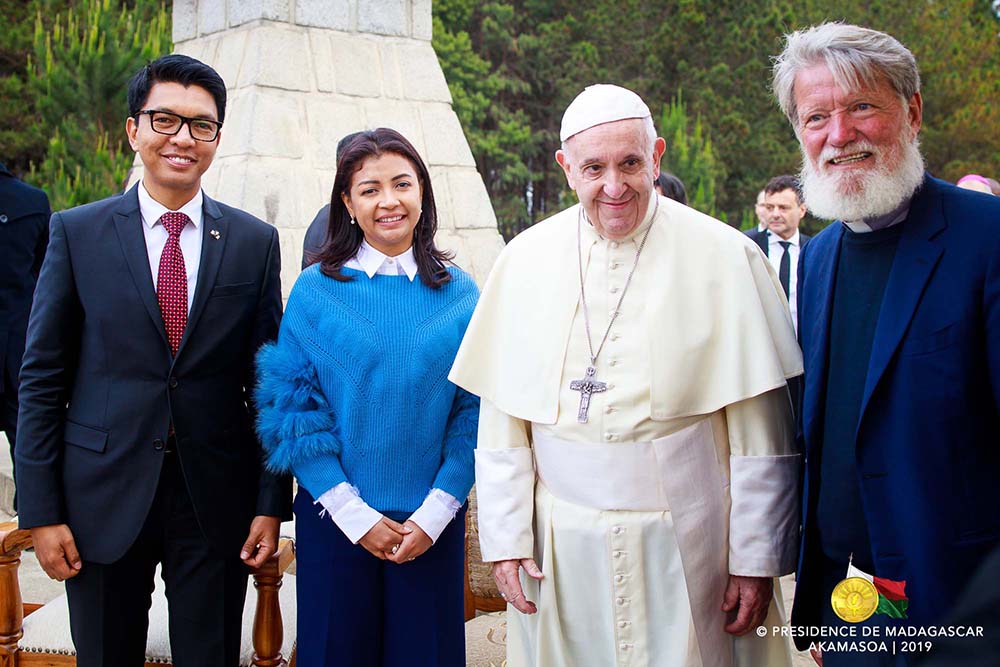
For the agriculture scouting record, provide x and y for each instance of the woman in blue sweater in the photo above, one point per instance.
(354, 399)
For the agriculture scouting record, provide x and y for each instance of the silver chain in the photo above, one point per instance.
(628, 281)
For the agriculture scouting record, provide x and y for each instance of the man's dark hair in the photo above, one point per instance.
(343, 239)
(176, 68)
(671, 187)
(782, 183)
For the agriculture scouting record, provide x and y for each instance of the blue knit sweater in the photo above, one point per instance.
(356, 388)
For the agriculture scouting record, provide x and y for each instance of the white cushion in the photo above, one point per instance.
(47, 630)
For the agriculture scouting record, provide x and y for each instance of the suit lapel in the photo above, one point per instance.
(918, 253)
(819, 299)
(128, 226)
(214, 235)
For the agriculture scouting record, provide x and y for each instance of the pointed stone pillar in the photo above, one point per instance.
(303, 73)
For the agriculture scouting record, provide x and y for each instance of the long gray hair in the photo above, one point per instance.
(855, 56)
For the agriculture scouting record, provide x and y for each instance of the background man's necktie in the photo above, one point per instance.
(171, 282)
(785, 268)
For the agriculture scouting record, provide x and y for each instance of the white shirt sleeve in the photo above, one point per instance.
(436, 512)
(351, 514)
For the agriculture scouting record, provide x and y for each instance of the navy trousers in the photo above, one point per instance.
(109, 604)
(357, 610)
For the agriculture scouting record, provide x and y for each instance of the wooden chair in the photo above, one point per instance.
(485, 631)
(49, 644)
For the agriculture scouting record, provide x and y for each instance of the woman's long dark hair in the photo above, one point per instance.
(343, 239)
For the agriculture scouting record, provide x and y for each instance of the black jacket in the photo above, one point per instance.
(99, 387)
(24, 232)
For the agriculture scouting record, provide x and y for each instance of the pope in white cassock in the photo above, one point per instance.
(636, 471)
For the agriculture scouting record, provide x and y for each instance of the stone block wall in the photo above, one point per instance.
(303, 73)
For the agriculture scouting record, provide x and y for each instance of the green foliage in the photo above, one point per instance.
(524, 60)
(690, 156)
(81, 57)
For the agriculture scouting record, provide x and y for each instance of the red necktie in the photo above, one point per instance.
(171, 282)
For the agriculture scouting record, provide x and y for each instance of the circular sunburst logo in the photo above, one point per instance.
(854, 599)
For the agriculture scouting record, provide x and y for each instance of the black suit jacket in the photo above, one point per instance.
(99, 387)
(315, 235)
(761, 239)
(24, 232)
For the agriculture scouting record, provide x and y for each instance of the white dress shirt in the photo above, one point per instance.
(774, 253)
(156, 236)
(353, 515)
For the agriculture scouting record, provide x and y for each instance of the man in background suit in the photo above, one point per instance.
(136, 435)
(24, 232)
(782, 211)
(316, 233)
(899, 321)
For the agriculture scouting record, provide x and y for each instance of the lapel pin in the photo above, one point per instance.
(215, 234)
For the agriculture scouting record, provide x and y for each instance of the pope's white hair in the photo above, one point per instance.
(854, 55)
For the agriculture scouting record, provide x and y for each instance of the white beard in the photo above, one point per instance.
(873, 193)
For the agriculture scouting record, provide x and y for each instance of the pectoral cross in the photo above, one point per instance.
(587, 387)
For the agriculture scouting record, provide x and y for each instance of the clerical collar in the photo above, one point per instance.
(591, 235)
(894, 217)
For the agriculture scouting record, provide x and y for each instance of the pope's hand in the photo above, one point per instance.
(750, 597)
(509, 583)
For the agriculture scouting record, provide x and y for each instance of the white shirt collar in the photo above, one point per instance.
(153, 210)
(371, 260)
(774, 239)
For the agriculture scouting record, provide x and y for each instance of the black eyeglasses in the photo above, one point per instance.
(164, 122)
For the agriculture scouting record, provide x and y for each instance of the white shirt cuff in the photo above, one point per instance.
(351, 514)
(435, 513)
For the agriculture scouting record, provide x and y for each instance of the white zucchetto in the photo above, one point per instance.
(599, 104)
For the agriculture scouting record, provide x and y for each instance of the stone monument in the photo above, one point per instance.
(303, 73)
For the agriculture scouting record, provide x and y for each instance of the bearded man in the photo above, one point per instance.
(635, 468)
(899, 321)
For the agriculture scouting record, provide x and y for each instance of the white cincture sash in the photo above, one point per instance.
(620, 476)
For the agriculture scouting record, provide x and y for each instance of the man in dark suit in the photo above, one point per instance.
(24, 232)
(136, 435)
(783, 210)
(899, 323)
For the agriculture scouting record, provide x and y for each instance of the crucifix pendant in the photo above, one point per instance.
(587, 387)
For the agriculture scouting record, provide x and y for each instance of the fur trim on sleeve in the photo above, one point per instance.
(294, 419)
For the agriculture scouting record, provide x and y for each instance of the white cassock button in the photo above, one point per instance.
(619, 578)
(609, 409)
(611, 385)
(622, 624)
(614, 290)
(621, 602)
(615, 336)
(618, 530)
(614, 244)
(623, 646)
(614, 362)
(609, 436)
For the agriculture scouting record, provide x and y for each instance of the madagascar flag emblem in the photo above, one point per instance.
(892, 600)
